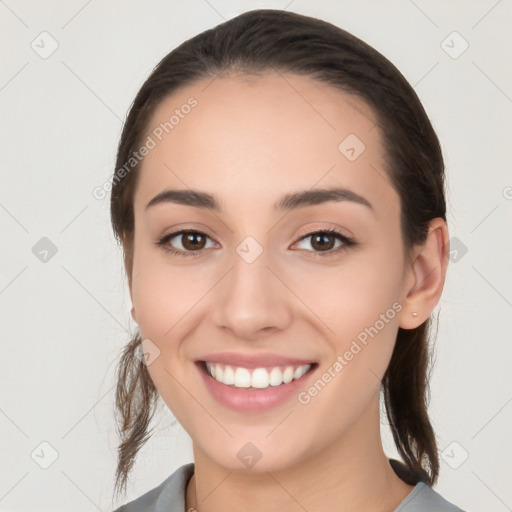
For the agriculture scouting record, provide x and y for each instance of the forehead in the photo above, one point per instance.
(248, 137)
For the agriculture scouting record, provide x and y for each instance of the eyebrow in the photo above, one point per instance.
(287, 203)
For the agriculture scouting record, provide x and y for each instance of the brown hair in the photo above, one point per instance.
(259, 41)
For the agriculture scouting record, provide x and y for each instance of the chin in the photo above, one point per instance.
(256, 457)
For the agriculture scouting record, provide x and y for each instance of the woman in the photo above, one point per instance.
(279, 197)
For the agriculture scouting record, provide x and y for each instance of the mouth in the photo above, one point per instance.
(259, 378)
(254, 382)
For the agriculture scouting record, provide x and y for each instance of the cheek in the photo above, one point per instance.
(351, 296)
(166, 299)
(360, 310)
(162, 291)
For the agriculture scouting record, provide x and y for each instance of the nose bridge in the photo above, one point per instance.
(251, 298)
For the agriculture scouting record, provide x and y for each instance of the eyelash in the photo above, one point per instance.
(347, 242)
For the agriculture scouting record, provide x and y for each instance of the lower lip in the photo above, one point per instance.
(252, 400)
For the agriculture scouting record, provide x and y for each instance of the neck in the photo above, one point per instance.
(352, 474)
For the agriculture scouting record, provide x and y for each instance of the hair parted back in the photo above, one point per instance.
(272, 40)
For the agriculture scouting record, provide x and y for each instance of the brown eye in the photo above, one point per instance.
(193, 241)
(323, 241)
(326, 242)
(185, 242)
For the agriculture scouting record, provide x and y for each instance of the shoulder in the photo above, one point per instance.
(169, 496)
(422, 498)
(425, 499)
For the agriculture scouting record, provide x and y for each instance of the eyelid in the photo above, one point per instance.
(311, 230)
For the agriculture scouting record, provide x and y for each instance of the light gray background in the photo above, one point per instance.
(64, 321)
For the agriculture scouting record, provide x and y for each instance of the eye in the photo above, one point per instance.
(190, 242)
(323, 242)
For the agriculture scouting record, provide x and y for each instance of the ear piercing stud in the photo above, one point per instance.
(414, 313)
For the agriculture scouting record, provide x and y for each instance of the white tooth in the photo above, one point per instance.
(229, 376)
(218, 372)
(242, 378)
(299, 372)
(276, 377)
(259, 378)
(288, 374)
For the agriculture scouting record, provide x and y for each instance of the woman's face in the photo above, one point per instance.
(265, 293)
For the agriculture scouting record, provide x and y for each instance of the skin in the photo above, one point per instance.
(249, 141)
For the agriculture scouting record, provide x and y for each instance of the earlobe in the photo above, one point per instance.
(427, 275)
(133, 315)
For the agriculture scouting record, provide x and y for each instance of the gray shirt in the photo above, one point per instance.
(169, 496)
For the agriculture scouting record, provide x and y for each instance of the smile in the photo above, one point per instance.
(258, 378)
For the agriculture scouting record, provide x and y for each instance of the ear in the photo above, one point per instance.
(133, 313)
(425, 278)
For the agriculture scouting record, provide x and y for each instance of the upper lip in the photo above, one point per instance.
(254, 360)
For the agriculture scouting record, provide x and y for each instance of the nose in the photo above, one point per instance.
(252, 300)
